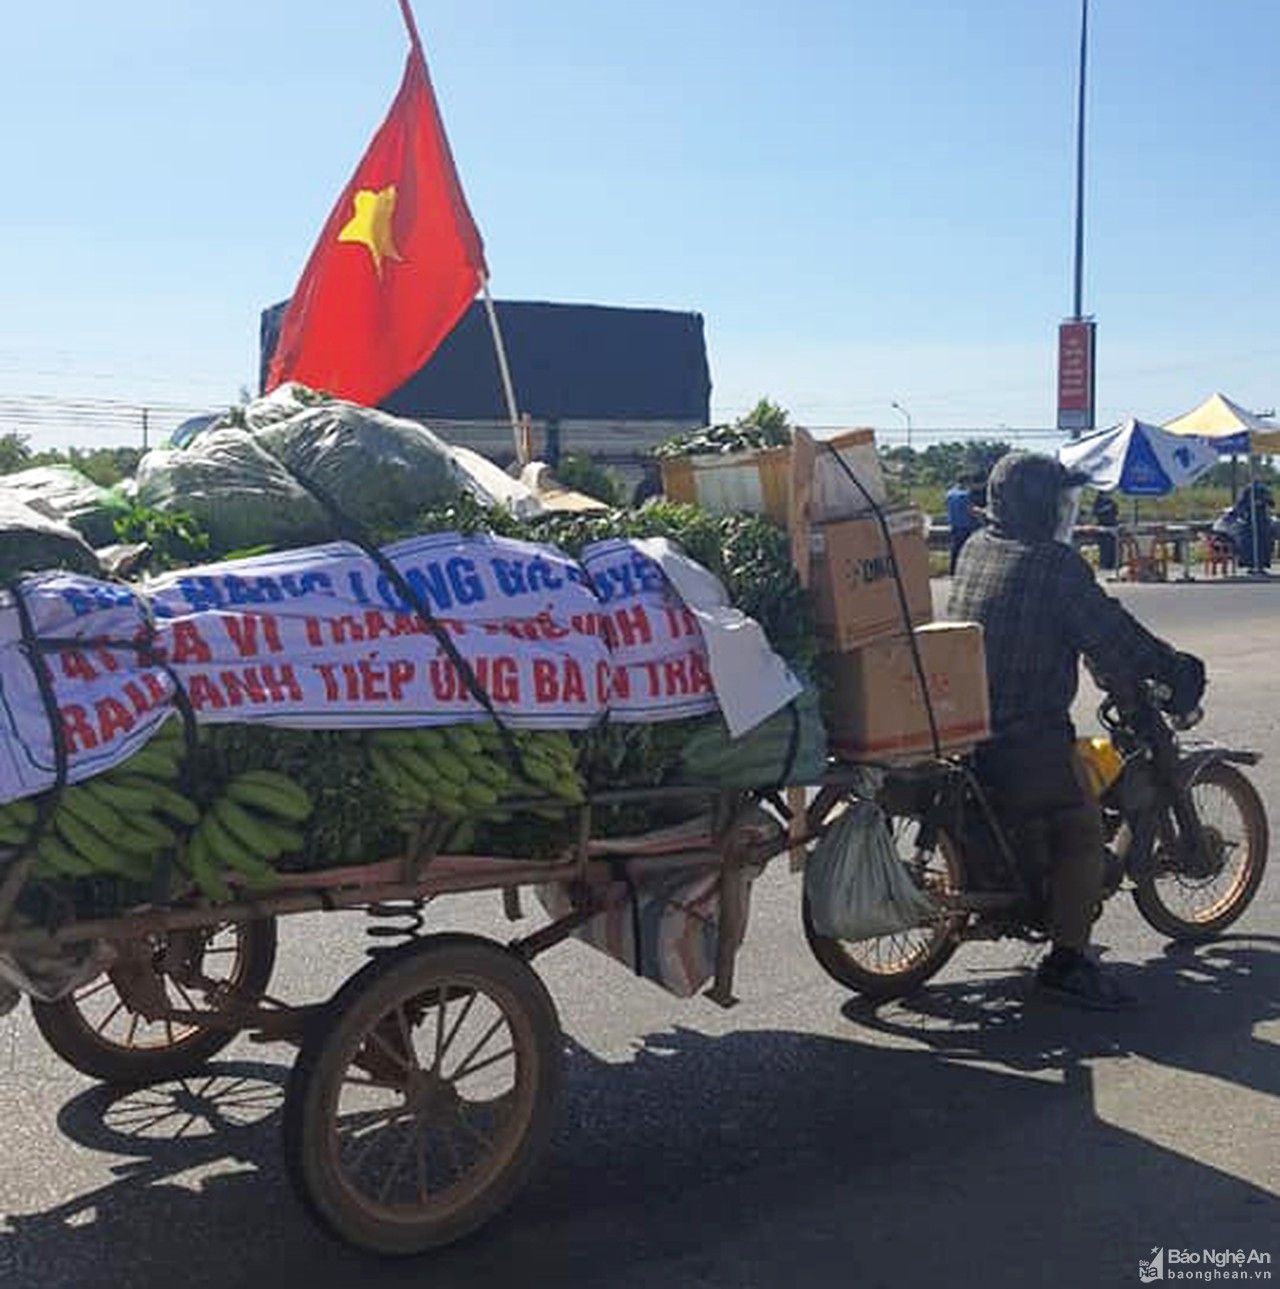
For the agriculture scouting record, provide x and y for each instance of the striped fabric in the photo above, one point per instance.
(677, 915)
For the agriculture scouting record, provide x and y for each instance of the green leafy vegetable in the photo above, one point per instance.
(176, 538)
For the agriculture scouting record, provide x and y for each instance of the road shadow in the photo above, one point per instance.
(951, 1139)
(1188, 994)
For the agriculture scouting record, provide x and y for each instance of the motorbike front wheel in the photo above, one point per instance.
(1233, 822)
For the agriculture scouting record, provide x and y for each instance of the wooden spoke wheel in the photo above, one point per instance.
(98, 1030)
(424, 1095)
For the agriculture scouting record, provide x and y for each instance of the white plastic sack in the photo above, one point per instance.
(50, 974)
(491, 485)
(856, 883)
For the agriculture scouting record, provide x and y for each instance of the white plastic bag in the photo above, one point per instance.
(856, 883)
(50, 974)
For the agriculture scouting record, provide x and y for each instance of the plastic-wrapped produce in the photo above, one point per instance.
(30, 541)
(241, 478)
(235, 489)
(62, 493)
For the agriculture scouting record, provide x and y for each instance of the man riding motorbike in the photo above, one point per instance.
(1042, 609)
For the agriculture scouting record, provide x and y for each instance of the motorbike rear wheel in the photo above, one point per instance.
(1233, 821)
(893, 966)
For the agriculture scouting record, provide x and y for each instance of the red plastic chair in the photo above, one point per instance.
(1221, 556)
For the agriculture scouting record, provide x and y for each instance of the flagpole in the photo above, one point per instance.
(508, 389)
(407, 14)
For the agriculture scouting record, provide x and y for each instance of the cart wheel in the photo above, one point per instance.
(424, 1095)
(95, 1029)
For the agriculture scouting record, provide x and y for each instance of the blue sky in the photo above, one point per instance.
(868, 202)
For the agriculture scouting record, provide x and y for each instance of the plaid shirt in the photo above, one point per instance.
(1041, 609)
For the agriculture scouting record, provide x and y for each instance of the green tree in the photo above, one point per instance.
(582, 474)
(106, 466)
(941, 464)
(15, 452)
(980, 455)
(1220, 475)
(767, 415)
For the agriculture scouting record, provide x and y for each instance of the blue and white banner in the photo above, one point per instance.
(321, 638)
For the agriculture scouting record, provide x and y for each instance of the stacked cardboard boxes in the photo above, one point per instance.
(852, 569)
(872, 597)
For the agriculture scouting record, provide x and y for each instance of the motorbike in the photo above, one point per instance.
(1185, 831)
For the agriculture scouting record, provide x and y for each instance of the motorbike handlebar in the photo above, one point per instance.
(1152, 700)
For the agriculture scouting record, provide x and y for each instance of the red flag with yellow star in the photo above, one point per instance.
(398, 262)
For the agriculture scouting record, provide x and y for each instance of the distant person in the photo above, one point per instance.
(650, 484)
(1106, 514)
(1251, 527)
(963, 517)
(978, 497)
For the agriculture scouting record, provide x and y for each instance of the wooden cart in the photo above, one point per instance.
(424, 1091)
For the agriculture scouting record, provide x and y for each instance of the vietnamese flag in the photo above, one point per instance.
(397, 264)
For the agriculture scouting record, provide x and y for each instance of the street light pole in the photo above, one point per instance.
(1079, 268)
(1077, 335)
(902, 411)
(897, 407)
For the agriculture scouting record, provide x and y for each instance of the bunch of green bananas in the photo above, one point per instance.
(118, 822)
(466, 771)
(251, 824)
(16, 819)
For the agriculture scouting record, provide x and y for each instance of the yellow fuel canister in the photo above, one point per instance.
(1102, 763)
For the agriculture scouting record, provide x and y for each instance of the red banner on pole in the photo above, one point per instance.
(1076, 341)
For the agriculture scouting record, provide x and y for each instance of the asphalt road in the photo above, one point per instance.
(973, 1136)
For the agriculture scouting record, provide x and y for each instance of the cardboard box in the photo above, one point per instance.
(876, 710)
(834, 495)
(852, 577)
(781, 482)
(758, 483)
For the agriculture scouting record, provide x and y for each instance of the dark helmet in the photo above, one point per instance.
(1025, 492)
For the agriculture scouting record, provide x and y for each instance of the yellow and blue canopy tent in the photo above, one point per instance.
(1228, 427)
(1233, 432)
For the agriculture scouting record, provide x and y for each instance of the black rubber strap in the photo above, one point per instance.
(37, 647)
(903, 606)
(793, 746)
(354, 532)
(31, 647)
(620, 870)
